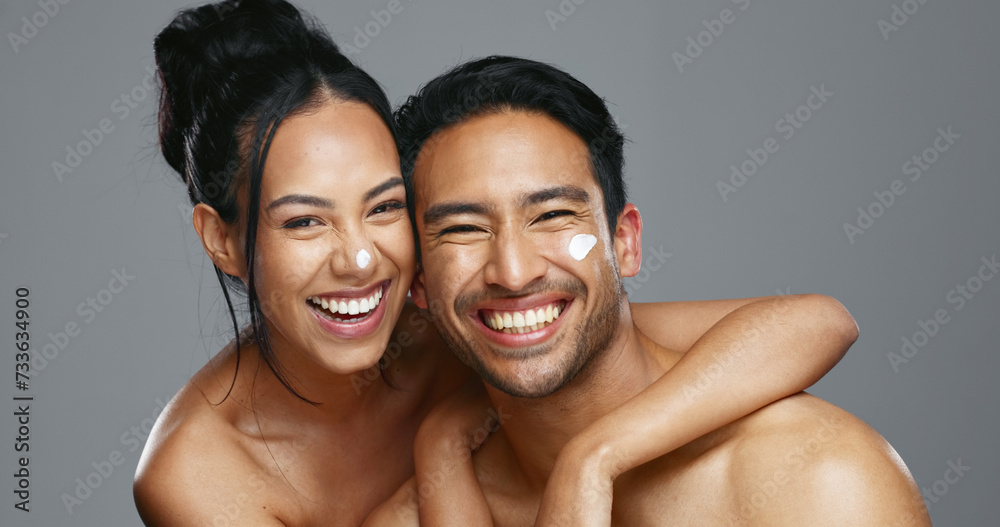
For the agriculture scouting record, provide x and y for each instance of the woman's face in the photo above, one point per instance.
(335, 253)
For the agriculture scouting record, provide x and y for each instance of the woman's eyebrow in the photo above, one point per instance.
(392, 182)
(301, 199)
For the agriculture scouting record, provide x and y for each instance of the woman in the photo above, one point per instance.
(289, 156)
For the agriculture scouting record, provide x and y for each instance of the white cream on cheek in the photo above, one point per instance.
(580, 246)
(363, 258)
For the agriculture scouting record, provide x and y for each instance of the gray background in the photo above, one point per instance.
(782, 230)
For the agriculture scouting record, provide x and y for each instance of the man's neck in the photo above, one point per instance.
(537, 429)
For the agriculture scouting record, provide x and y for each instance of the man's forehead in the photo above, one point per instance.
(512, 151)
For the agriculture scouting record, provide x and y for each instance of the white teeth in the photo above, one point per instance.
(348, 306)
(523, 321)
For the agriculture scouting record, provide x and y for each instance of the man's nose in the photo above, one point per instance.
(515, 262)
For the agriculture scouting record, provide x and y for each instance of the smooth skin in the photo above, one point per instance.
(798, 461)
(250, 453)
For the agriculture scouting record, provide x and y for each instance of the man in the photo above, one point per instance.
(514, 173)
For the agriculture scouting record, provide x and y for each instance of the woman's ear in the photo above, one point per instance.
(628, 241)
(220, 239)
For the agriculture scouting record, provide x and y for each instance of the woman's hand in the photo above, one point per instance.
(580, 487)
(448, 490)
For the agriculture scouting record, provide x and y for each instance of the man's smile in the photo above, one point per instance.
(522, 321)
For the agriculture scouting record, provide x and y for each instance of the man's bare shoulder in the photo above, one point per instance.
(803, 461)
(798, 461)
(195, 467)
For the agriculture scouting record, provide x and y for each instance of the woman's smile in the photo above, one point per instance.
(351, 314)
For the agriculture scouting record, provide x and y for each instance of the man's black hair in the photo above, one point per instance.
(500, 84)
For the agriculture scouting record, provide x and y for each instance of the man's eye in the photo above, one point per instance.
(388, 206)
(554, 214)
(301, 223)
(459, 229)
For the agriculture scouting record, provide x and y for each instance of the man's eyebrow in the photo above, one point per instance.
(437, 213)
(564, 192)
(392, 182)
(301, 199)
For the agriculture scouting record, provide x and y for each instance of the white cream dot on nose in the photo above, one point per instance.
(363, 258)
(580, 246)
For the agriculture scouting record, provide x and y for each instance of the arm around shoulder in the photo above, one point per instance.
(678, 325)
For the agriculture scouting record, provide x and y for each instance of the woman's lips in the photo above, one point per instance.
(351, 316)
(339, 306)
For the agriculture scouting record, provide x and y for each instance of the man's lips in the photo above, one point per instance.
(521, 321)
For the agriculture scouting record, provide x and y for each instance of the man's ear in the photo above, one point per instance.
(417, 290)
(628, 241)
(220, 239)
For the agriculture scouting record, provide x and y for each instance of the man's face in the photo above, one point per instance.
(498, 200)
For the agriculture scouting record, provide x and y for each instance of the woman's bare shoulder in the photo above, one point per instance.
(196, 464)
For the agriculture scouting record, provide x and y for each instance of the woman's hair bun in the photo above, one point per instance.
(205, 52)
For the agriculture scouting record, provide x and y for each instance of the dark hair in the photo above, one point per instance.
(230, 73)
(498, 84)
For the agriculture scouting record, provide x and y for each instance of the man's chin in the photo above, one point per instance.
(529, 372)
(527, 378)
(534, 388)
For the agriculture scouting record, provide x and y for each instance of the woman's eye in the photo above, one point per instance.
(388, 206)
(300, 223)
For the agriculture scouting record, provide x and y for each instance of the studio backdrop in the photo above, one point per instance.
(848, 148)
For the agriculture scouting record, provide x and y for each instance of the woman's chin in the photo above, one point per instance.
(352, 357)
